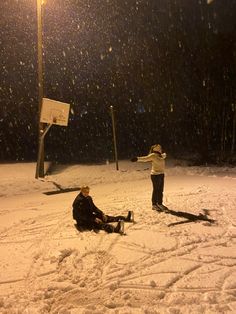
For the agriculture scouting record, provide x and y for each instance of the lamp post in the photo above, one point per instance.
(40, 160)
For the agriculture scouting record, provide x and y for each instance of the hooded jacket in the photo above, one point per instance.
(158, 162)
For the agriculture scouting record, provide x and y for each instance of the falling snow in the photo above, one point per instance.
(139, 56)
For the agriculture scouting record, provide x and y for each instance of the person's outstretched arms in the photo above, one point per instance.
(146, 158)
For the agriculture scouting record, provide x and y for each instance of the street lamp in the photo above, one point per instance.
(62, 109)
(40, 160)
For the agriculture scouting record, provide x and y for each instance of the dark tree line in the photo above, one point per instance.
(167, 67)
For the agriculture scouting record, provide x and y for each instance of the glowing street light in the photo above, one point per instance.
(59, 113)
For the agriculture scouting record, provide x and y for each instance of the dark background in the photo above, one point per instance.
(168, 67)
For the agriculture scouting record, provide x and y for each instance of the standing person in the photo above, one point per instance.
(157, 157)
(88, 216)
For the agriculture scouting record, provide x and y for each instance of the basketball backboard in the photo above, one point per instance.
(54, 112)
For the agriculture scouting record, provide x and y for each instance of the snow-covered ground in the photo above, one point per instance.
(47, 266)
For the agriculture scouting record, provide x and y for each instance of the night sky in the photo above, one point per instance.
(167, 66)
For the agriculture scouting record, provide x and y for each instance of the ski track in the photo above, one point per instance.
(123, 280)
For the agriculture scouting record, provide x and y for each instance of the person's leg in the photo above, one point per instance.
(100, 226)
(128, 218)
(115, 218)
(154, 179)
(106, 227)
(160, 188)
(119, 228)
(103, 226)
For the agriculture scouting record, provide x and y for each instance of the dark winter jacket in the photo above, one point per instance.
(84, 210)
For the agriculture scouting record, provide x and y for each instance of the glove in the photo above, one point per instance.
(134, 159)
(104, 218)
(98, 221)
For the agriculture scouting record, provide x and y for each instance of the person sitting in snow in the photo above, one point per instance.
(88, 216)
(157, 157)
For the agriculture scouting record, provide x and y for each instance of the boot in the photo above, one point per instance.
(130, 216)
(161, 207)
(119, 227)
